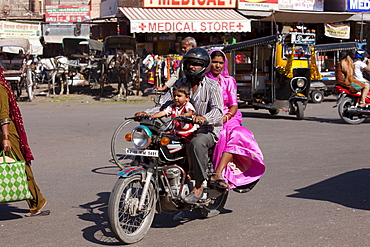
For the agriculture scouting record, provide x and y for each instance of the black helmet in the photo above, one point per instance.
(198, 55)
(360, 53)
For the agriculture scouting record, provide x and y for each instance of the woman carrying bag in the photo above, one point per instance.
(13, 138)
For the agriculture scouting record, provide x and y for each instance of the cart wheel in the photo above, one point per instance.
(317, 96)
(274, 112)
(299, 110)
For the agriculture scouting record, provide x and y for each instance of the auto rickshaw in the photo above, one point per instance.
(274, 72)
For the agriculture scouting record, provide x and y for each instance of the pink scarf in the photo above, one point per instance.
(15, 115)
(225, 71)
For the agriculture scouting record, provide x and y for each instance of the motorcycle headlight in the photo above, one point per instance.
(141, 137)
(298, 84)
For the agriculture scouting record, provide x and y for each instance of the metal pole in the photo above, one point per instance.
(362, 27)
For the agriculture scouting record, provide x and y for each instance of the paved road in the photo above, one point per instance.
(315, 191)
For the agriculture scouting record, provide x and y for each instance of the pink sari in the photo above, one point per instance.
(247, 164)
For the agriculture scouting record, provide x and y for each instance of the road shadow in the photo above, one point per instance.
(177, 218)
(293, 117)
(267, 115)
(350, 189)
(100, 233)
(97, 213)
(9, 212)
(107, 170)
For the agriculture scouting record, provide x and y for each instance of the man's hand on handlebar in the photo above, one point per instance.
(199, 120)
(139, 115)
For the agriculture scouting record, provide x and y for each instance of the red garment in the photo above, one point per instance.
(15, 115)
(181, 129)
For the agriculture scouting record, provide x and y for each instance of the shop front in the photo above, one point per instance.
(160, 30)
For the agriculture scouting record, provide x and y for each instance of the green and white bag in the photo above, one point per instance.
(13, 179)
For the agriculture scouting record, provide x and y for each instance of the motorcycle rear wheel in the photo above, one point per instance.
(343, 112)
(215, 207)
(127, 223)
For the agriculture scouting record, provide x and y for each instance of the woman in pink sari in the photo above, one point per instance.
(237, 157)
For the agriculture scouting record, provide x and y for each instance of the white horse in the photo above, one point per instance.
(55, 67)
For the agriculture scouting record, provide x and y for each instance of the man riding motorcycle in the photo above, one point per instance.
(206, 97)
(344, 75)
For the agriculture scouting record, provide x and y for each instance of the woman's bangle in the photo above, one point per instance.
(4, 121)
(231, 115)
(5, 137)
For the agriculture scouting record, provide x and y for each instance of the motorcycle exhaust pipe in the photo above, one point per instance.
(358, 111)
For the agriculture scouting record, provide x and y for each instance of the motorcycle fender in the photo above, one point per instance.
(341, 97)
(298, 96)
(132, 170)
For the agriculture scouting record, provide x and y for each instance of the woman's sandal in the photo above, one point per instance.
(217, 182)
(39, 212)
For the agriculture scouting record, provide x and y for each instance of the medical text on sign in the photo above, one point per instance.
(210, 26)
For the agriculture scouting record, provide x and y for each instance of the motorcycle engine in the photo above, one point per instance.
(174, 176)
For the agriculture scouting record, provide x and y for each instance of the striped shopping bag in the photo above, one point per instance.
(13, 179)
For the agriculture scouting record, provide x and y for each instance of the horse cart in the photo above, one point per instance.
(121, 65)
(17, 60)
(84, 59)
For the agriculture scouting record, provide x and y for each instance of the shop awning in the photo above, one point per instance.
(56, 39)
(254, 13)
(360, 17)
(336, 46)
(13, 45)
(148, 20)
(308, 16)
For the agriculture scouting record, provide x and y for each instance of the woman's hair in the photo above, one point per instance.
(191, 41)
(217, 54)
(182, 87)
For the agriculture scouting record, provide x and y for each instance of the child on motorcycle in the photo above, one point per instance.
(180, 107)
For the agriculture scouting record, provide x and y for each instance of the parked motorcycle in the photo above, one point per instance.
(156, 179)
(348, 108)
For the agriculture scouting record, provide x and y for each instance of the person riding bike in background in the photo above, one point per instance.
(360, 66)
(344, 75)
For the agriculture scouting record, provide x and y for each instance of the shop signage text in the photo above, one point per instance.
(258, 4)
(339, 31)
(359, 5)
(67, 13)
(187, 26)
(189, 3)
(19, 30)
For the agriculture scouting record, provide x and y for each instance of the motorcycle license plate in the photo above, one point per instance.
(150, 153)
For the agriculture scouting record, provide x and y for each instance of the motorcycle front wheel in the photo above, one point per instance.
(214, 208)
(118, 143)
(344, 113)
(127, 223)
(299, 112)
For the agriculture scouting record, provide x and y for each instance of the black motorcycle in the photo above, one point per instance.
(155, 180)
